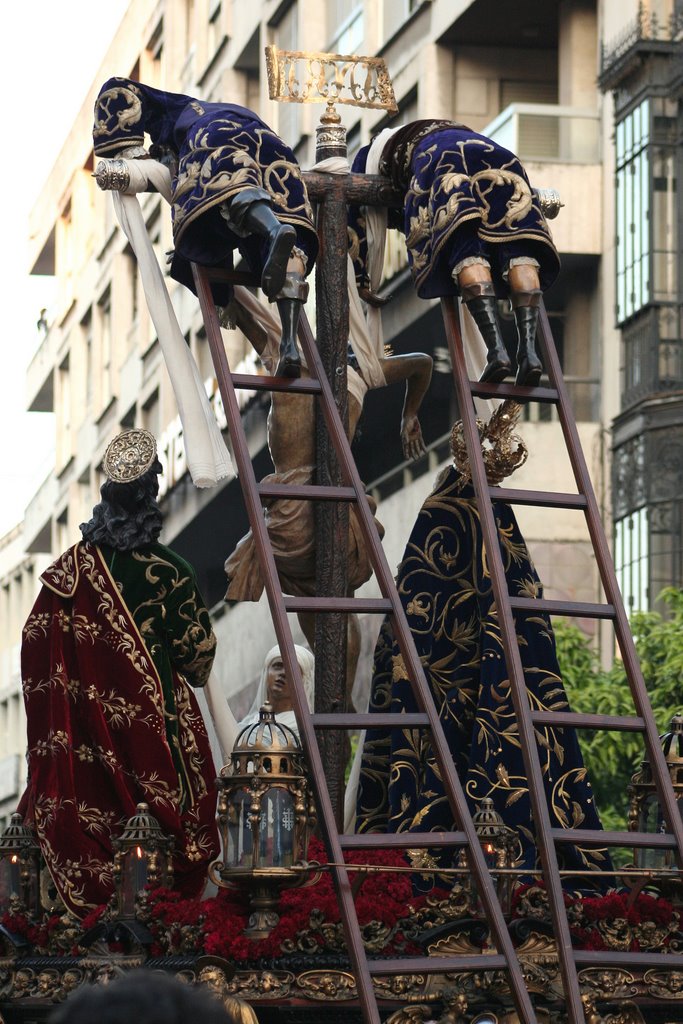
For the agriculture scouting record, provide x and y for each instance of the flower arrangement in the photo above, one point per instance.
(391, 918)
(309, 922)
(618, 920)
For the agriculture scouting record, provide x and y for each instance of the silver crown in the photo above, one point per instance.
(129, 455)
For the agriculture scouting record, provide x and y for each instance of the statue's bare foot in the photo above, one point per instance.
(281, 241)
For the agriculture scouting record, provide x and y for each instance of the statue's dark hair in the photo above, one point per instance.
(128, 516)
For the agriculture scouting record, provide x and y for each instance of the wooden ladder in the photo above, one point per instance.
(643, 722)
(505, 958)
(363, 967)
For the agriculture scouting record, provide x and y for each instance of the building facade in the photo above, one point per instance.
(19, 574)
(642, 67)
(538, 78)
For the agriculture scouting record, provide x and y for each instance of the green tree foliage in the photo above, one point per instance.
(612, 757)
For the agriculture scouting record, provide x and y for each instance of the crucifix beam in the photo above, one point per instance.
(331, 193)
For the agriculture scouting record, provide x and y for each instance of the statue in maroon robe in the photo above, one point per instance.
(117, 638)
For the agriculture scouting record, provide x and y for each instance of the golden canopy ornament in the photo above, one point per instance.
(503, 451)
(301, 76)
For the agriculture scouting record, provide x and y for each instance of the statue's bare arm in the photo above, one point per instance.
(415, 369)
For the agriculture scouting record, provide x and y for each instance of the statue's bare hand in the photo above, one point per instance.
(372, 298)
(411, 437)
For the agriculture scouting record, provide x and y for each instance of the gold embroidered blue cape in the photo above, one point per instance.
(445, 589)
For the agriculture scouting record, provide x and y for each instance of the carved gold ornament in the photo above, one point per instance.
(300, 76)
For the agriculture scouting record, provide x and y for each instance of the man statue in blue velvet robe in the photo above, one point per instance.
(236, 185)
(473, 227)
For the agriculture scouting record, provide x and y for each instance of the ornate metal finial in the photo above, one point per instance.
(502, 450)
(112, 175)
(549, 201)
(298, 76)
(129, 455)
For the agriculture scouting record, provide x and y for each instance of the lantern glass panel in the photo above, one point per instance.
(276, 832)
(10, 879)
(490, 855)
(240, 839)
(134, 879)
(651, 820)
(33, 886)
(651, 815)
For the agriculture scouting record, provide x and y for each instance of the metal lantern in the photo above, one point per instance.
(500, 846)
(143, 855)
(645, 812)
(19, 868)
(265, 817)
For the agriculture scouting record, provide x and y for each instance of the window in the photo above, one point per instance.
(289, 114)
(216, 33)
(151, 414)
(63, 409)
(105, 345)
(86, 327)
(664, 202)
(345, 25)
(633, 211)
(631, 547)
(152, 57)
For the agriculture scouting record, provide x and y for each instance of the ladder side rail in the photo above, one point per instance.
(456, 797)
(518, 689)
(608, 576)
(283, 632)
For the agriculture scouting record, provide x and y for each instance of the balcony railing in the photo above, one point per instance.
(646, 30)
(548, 133)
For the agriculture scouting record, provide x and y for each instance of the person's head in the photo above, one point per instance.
(149, 996)
(276, 685)
(128, 515)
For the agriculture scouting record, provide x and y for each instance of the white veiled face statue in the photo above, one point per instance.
(276, 687)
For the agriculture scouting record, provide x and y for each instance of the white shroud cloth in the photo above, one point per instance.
(208, 459)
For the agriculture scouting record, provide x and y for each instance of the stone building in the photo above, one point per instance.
(537, 77)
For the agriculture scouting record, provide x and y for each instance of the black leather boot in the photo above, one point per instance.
(249, 213)
(529, 366)
(480, 299)
(291, 298)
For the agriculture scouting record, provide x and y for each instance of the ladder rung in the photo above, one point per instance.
(401, 840)
(580, 609)
(259, 382)
(512, 391)
(377, 605)
(596, 837)
(432, 964)
(607, 958)
(576, 719)
(314, 492)
(370, 721)
(543, 499)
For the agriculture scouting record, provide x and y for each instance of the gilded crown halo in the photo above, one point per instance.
(129, 455)
(503, 451)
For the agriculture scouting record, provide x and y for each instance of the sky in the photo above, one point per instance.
(51, 50)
